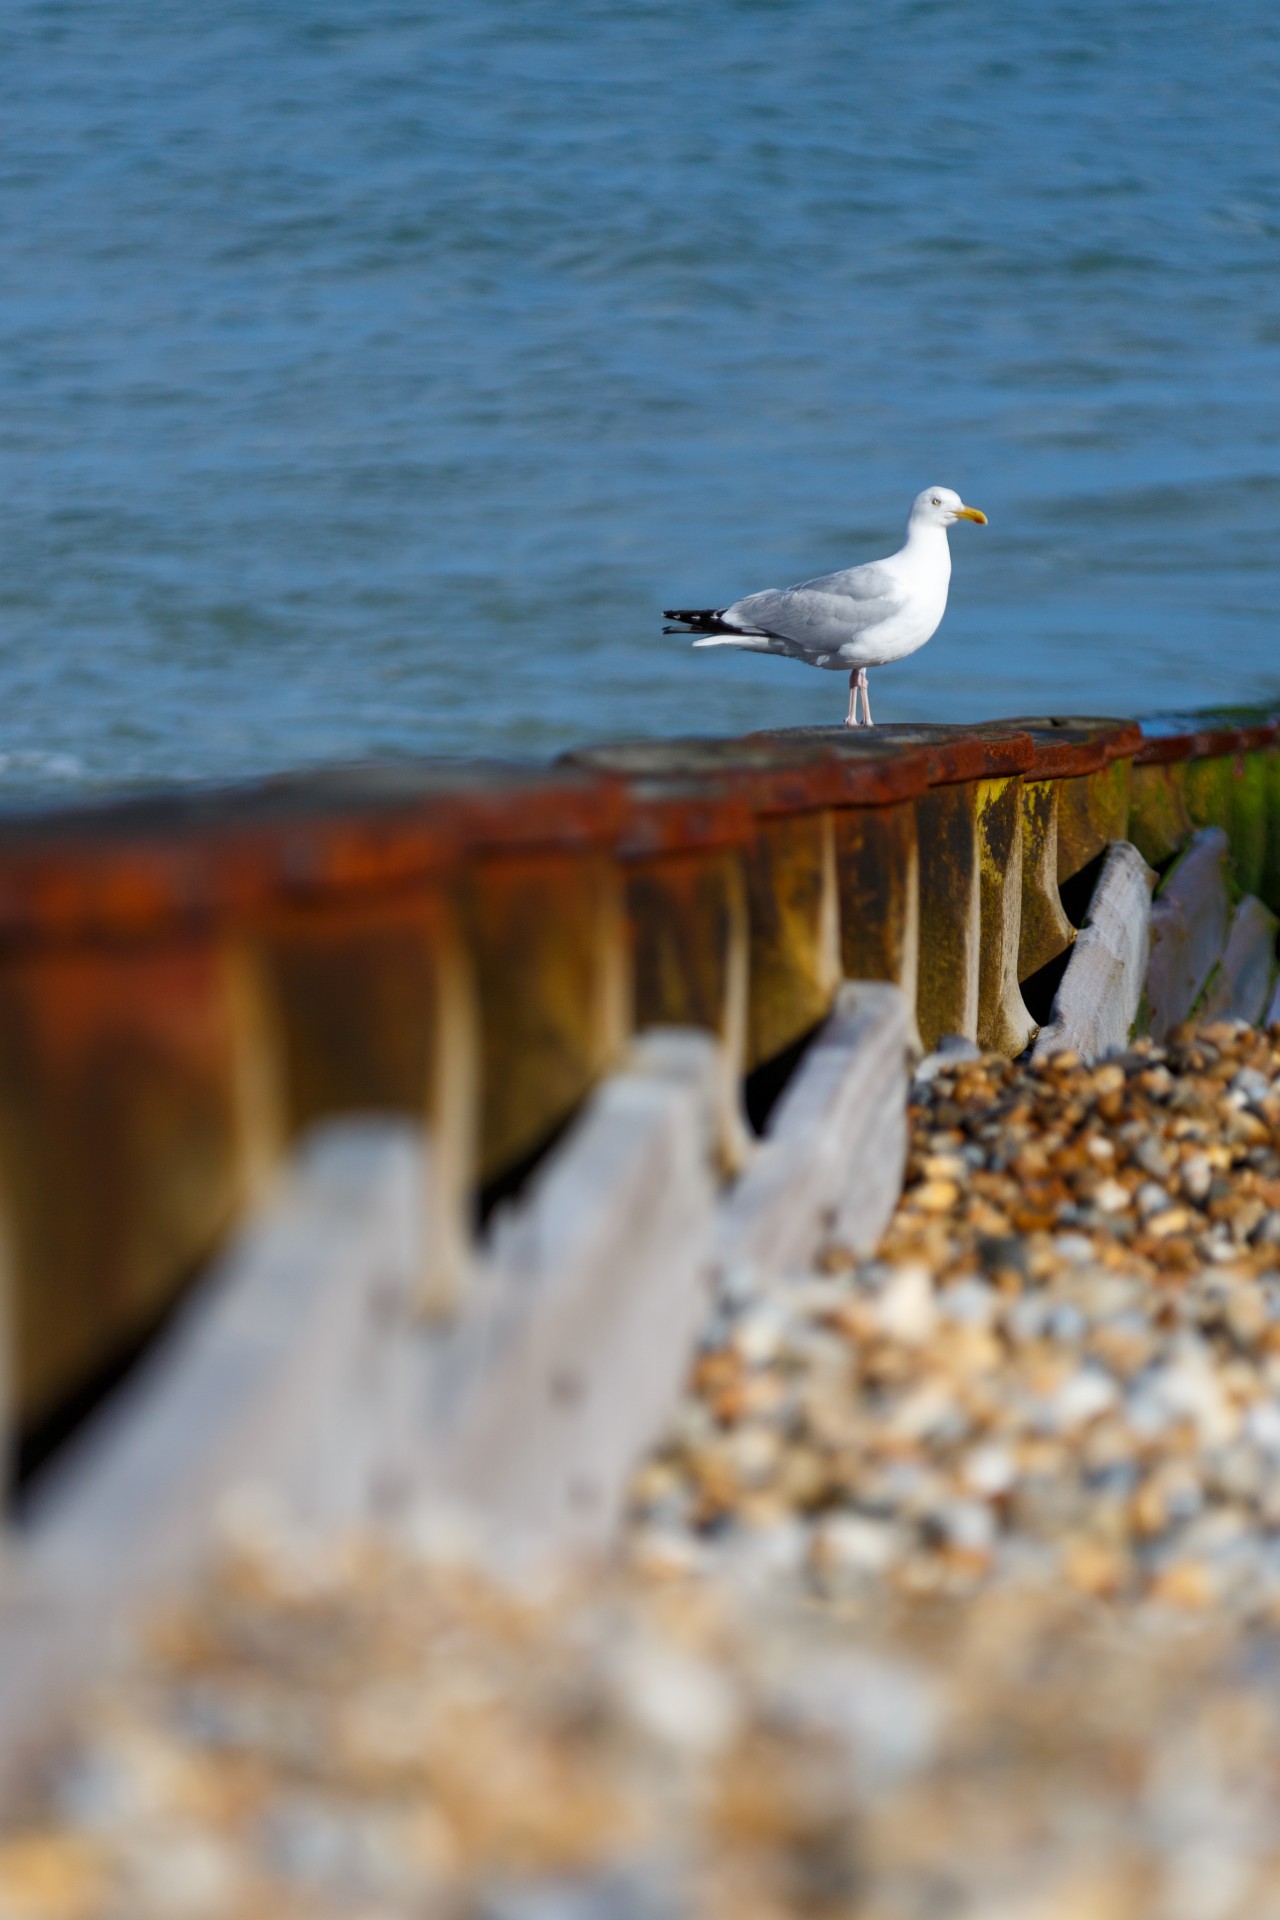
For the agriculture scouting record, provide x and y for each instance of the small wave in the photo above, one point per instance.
(26, 761)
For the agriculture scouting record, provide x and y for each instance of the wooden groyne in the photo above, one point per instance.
(566, 993)
(188, 983)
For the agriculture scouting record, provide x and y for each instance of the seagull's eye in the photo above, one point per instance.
(936, 501)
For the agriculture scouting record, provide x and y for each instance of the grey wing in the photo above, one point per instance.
(820, 616)
(874, 581)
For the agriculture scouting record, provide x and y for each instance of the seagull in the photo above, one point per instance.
(849, 621)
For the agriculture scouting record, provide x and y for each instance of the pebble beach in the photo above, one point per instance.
(952, 1592)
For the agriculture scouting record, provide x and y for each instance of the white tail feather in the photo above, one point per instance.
(753, 642)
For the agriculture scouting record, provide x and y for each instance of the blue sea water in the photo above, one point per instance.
(371, 375)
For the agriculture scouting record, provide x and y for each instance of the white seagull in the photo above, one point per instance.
(849, 621)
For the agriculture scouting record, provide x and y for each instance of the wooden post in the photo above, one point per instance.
(1093, 811)
(690, 934)
(1071, 797)
(968, 834)
(794, 786)
(878, 875)
(374, 1008)
(876, 848)
(1003, 1023)
(1159, 823)
(950, 915)
(125, 1145)
(683, 853)
(1045, 931)
(547, 933)
(1228, 785)
(795, 923)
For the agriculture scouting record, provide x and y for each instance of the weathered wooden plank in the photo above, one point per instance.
(1159, 824)
(950, 914)
(273, 1373)
(1231, 790)
(140, 1109)
(794, 784)
(374, 1010)
(878, 874)
(1099, 994)
(597, 1282)
(1004, 1025)
(1044, 931)
(690, 934)
(1272, 1016)
(303, 1370)
(291, 1370)
(547, 935)
(1241, 987)
(1093, 810)
(1188, 930)
(795, 930)
(832, 1160)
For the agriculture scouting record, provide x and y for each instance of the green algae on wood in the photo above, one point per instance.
(1159, 823)
(1093, 810)
(1232, 791)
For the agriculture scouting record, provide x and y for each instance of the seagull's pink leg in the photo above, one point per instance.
(851, 718)
(866, 697)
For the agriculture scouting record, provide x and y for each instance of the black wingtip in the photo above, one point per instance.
(695, 620)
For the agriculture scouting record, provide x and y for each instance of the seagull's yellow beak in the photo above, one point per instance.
(970, 513)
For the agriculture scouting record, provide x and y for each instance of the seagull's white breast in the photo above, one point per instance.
(922, 574)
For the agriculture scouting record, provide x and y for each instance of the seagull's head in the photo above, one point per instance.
(941, 507)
